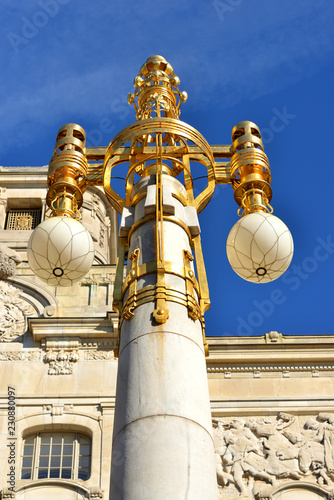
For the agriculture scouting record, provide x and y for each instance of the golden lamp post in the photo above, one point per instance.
(162, 440)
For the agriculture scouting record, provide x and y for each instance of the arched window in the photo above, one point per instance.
(56, 455)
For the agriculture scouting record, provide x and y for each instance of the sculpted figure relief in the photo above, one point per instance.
(13, 313)
(267, 452)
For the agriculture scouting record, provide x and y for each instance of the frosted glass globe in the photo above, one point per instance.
(60, 251)
(259, 247)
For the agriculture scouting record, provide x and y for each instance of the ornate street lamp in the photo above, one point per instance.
(162, 441)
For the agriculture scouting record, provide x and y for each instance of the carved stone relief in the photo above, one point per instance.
(255, 457)
(57, 409)
(7, 494)
(95, 355)
(26, 355)
(98, 279)
(95, 493)
(8, 261)
(61, 362)
(13, 313)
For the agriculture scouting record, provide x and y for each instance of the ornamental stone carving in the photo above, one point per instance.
(96, 355)
(61, 362)
(95, 493)
(98, 279)
(256, 457)
(7, 494)
(13, 313)
(57, 410)
(25, 355)
(8, 261)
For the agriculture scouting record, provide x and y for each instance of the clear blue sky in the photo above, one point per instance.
(270, 62)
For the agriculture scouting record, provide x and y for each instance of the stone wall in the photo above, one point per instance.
(273, 416)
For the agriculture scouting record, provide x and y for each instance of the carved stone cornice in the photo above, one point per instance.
(272, 352)
(259, 370)
(16, 176)
(83, 328)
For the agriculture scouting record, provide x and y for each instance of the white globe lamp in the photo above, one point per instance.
(60, 251)
(259, 247)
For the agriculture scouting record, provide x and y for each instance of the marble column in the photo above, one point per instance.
(162, 441)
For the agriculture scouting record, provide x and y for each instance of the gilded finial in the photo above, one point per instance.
(156, 93)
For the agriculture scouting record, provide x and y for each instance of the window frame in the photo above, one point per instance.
(77, 440)
(34, 213)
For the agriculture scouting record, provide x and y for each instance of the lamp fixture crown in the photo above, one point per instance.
(156, 90)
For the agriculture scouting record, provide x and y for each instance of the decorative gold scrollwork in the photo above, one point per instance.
(192, 305)
(128, 312)
(161, 313)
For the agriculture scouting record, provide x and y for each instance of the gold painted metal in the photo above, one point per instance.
(250, 170)
(156, 92)
(67, 177)
(159, 144)
(138, 133)
(149, 294)
(117, 301)
(192, 304)
(134, 256)
(151, 267)
(23, 222)
(160, 290)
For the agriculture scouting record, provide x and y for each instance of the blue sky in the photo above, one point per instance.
(74, 61)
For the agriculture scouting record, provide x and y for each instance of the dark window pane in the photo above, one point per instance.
(55, 462)
(84, 462)
(28, 450)
(54, 472)
(83, 474)
(68, 438)
(84, 449)
(29, 441)
(45, 439)
(67, 462)
(68, 449)
(43, 462)
(56, 439)
(26, 474)
(44, 450)
(27, 462)
(66, 473)
(56, 450)
(42, 473)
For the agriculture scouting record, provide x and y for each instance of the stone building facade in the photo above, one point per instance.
(271, 396)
